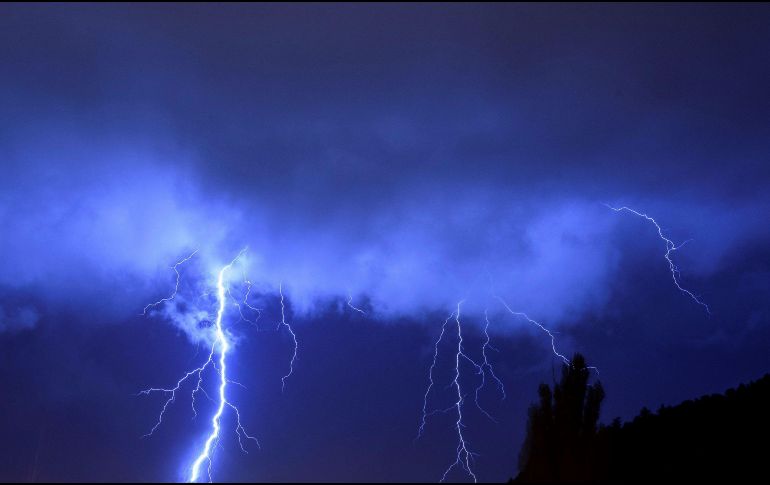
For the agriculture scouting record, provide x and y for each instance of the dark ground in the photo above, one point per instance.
(718, 436)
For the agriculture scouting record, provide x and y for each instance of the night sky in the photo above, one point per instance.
(406, 157)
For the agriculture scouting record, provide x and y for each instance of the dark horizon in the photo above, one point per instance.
(381, 163)
(566, 444)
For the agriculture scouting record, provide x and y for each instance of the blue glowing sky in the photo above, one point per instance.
(406, 157)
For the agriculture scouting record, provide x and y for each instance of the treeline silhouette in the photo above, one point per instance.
(716, 437)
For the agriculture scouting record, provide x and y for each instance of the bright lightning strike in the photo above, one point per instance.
(464, 456)
(224, 346)
(670, 248)
(217, 360)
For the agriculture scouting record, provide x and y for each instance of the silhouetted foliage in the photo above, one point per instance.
(721, 436)
(562, 429)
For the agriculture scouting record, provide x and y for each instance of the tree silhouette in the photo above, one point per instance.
(562, 431)
(717, 437)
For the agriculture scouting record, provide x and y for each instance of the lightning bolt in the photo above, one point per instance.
(550, 334)
(245, 302)
(670, 248)
(224, 347)
(538, 325)
(425, 413)
(287, 326)
(464, 456)
(488, 365)
(353, 307)
(176, 287)
(217, 360)
(249, 285)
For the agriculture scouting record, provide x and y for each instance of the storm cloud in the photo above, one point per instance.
(405, 157)
(383, 169)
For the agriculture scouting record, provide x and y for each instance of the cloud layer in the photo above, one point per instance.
(377, 167)
(99, 221)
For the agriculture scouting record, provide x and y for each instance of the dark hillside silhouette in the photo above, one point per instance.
(721, 436)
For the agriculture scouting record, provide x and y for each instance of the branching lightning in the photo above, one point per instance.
(464, 456)
(483, 369)
(258, 311)
(245, 303)
(217, 361)
(293, 336)
(224, 346)
(488, 365)
(176, 286)
(670, 248)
